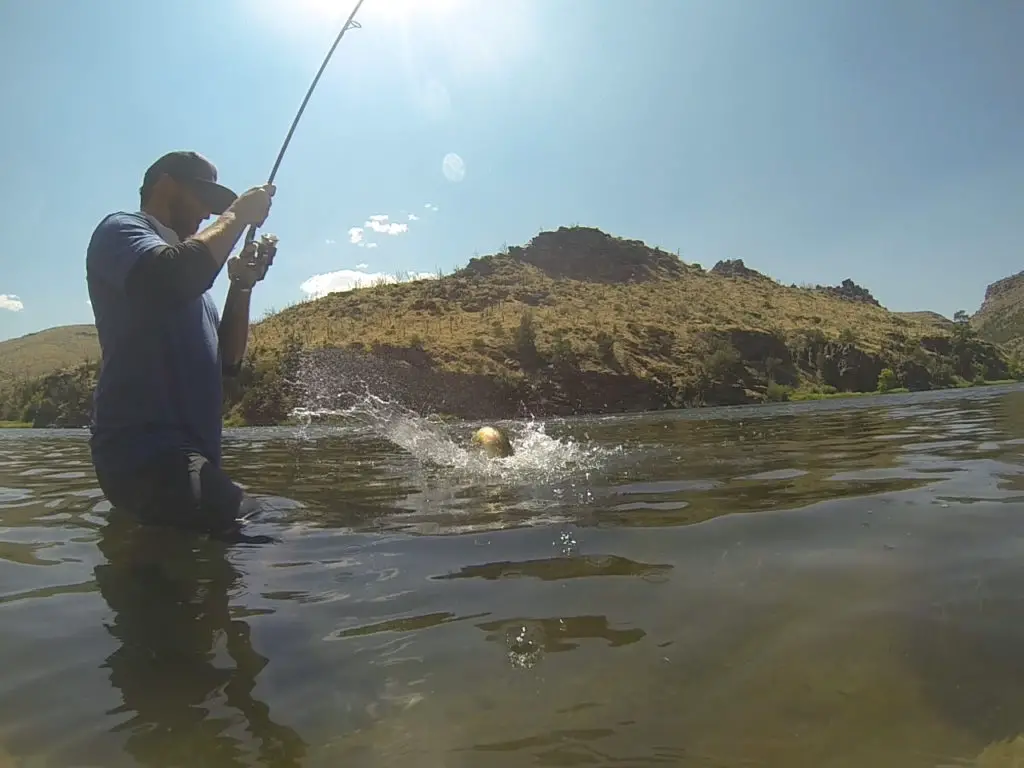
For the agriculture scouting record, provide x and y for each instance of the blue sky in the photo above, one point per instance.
(815, 139)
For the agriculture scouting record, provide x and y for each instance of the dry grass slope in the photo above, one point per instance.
(37, 354)
(653, 323)
(934, 319)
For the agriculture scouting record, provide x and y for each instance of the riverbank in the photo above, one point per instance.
(808, 395)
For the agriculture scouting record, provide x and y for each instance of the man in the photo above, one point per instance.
(156, 431)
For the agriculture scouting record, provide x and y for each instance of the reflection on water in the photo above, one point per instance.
(829, 584)
(169, 600)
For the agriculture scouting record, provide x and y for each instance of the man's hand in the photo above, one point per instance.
(247, 268)
(253, 206)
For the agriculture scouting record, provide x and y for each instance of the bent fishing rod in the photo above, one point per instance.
(267, 245)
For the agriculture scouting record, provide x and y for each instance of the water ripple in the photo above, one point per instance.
(822, 584)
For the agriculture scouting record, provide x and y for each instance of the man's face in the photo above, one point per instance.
(187, 210)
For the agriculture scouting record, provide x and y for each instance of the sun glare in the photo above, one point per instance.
(409, 10)
(303, 16)
(389, 10)
(436, 41)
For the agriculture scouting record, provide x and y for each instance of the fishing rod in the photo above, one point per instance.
(267, 246)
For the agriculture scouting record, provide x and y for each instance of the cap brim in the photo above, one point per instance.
(217, 197)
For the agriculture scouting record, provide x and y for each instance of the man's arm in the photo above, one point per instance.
(220, 237)
(153, 273)
(234, 328)
(244, 271)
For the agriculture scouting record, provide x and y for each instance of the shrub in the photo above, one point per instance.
(887, 380)
(778, 393)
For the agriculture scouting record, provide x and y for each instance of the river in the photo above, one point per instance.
(824, 584)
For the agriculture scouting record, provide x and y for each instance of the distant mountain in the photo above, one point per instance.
(1001, 316)
(46, 351)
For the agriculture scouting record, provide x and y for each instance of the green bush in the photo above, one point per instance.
(887, 380)
(778, 393)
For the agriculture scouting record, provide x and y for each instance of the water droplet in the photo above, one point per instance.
(525, 645)
(566, 543)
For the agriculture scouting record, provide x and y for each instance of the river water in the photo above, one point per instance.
(824, 584)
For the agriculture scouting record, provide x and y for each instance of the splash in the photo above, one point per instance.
(537, 456)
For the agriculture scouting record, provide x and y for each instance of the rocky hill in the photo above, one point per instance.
(1001, 316)
(580, 321)
(577, 321)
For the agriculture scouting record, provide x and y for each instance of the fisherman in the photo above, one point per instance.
(493, 441)
(156, 423)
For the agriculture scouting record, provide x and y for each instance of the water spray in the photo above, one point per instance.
(267, 247)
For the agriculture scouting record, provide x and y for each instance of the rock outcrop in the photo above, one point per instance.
(586, 254)
(736, 268)
(849, 291)
(1001, 316)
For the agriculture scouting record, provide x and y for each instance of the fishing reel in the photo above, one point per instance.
(266, 249)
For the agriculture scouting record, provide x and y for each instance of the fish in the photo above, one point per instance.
(493, 441)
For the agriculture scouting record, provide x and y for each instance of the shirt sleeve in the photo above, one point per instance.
(117, 245)
(126, 253)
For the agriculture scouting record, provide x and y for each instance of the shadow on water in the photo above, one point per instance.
(826, 585)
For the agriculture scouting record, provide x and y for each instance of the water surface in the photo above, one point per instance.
(823, 584)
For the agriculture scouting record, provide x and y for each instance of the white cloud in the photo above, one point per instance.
(346, 279)
(10, 302)
(328, 241)
(430, 207)
(88, 303)
(362, 266)
(380, 223)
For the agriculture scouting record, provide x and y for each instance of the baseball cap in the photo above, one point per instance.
(195, 171)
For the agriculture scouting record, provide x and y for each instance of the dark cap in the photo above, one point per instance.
(194, 171)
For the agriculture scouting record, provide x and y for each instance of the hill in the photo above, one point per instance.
(1001, 316)
(580, 321)
(934, 319)
(576, 321)
(45, 351)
